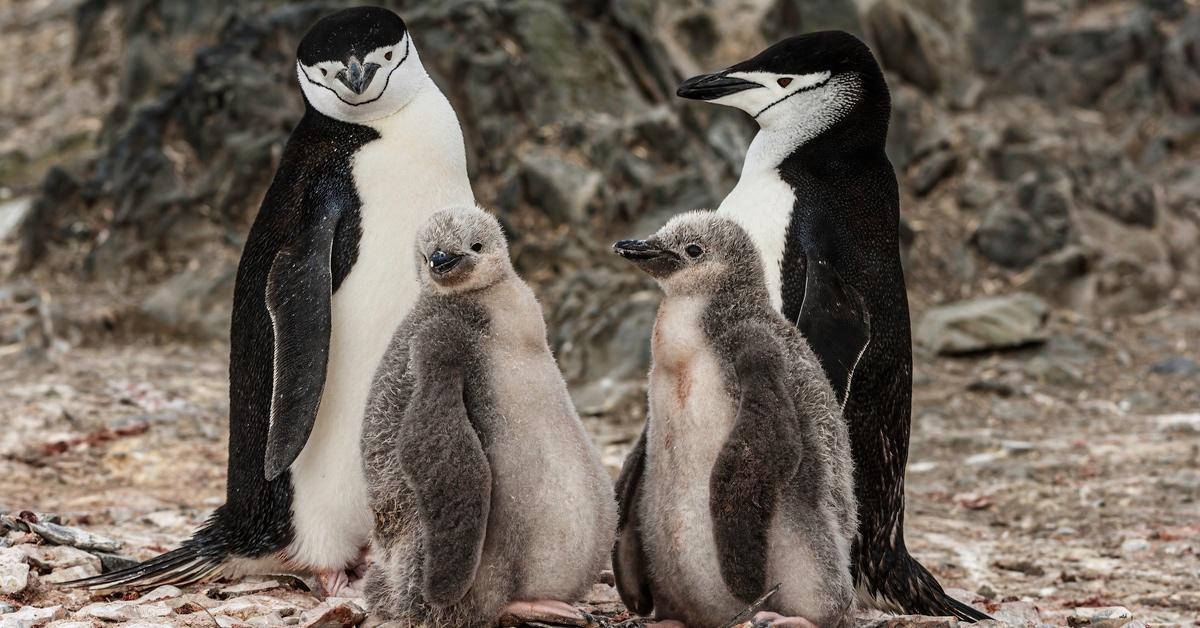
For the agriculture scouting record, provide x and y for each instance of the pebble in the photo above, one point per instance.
(14, 577)
(165, 592)
(70, 573)
(1104, 617)
(332, 614)
(1179, 423)
(1018, 614)
(124, 611)
(31, 616)
(65, 535)
(54, 557)
(1133, 546)
(72, 624)
(243, 588)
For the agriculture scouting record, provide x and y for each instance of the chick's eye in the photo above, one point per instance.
(784, 82)
(477, 247)
(694, 251)
(388, 55)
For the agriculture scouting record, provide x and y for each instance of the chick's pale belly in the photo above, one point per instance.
(691, 416)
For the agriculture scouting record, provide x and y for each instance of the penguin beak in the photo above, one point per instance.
(712, 86)
(357, 76)
(655, 261)
(442, 262)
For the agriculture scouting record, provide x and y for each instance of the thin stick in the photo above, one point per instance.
(754, 606)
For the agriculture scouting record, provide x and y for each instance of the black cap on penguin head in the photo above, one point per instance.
(349, 33)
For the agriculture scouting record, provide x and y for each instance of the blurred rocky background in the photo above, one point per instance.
(1048, 153)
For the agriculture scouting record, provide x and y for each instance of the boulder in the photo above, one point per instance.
(984, 324)
(1181, 65)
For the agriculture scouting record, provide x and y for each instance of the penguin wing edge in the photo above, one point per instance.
(835, 322)
(760, 455)
(628, 556)
(299, 299)
(443, 460)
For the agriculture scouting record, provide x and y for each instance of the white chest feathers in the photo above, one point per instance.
(762, 204)
(416, 167)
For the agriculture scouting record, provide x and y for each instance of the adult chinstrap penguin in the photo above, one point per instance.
(489, 497)
(819, 197)
(318, 295)
(742, 479)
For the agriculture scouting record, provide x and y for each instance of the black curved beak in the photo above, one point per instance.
(712, 86)
(654, 261)
(357, 76)
(442, 262)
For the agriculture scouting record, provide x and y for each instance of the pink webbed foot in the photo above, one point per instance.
(545, 611)
(336, 584)
(767, 619)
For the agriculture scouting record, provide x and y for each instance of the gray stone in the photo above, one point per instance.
(31, 617)
(1015, 237)
(788, 17)
(13, 575)
(984, 324)
(561, 189)
(334, 614)
(53, 557)
(67, 574)
(999, 29)
(124, 611)
(932, 171)
(192, 302)
(1179, 423)
(75, 537)
(1102, 617)
(1177, 365)
(12, 215)
(1181, 65)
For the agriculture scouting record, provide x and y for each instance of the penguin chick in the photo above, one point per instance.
(479, 472)
(742, 478)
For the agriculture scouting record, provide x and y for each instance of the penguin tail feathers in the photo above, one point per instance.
(910, 589)
(194, 561)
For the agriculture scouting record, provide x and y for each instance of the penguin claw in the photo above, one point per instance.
(766, 619)
(337, 584)
(553, 612)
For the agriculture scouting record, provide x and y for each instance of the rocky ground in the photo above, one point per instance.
(1048, 153)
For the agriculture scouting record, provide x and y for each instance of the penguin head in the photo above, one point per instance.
(805, 83)
(461, 249)
(697, 252)
(359, 65)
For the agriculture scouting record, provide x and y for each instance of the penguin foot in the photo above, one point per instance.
(336, 583)
(553, 612)
(358, 569)
(666, 623)
(767, 619)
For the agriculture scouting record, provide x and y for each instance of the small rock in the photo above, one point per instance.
(1133, 546)
(12, 215)
(73, 624)
(1006, 322)
(165, 592)
(6, 608)
(1177, 365)
(67, 574)
(1179, 423)
(14, 577)
(1017, 614)
(932, 170)
(1105, 617)
(66, 535)
(242, 588)
(124, 611)
(53, 557)
(334, 615)
(272, 619)
(114, 562)
(561, 189)
(31, 616)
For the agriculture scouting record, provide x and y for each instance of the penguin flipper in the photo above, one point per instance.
(299, 299)
(629, 556)
(443, 460)
(761, 454)
(835, 322)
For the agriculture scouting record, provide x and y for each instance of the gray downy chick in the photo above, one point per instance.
(742, 478)
(489, 497)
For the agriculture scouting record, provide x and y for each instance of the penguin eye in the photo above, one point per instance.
(324, 72)
(477, 247)
(388, 55)
(694, 251)
(784, 82)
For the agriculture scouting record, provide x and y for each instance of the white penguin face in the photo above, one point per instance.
(358, 90)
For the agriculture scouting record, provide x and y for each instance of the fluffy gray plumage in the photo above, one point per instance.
(484, 484)
(742, 478)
